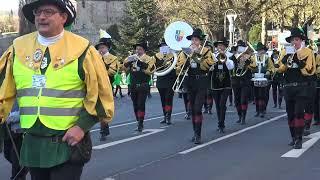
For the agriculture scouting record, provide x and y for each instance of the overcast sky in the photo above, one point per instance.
(8, 4)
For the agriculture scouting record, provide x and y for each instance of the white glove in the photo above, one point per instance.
(229, 64)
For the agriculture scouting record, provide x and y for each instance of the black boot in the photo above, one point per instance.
(306, 132)
(257, 114)
(298, 144)
(168, 119)
(275, 106)
(164, 119)
(194, 132)
(243, 120)
(292, 142)
(221, 130)
(140, 126)
(262, 114)
(293, 136)
(240, 117)
(197, 139)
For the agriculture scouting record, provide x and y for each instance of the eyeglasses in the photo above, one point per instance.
(46, 12)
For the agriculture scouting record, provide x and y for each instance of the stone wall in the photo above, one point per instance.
(93, 15)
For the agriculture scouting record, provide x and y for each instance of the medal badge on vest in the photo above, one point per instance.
(37, 55)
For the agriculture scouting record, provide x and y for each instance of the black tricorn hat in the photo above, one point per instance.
(162, 43)
(64, 5)
(197, 33)
(222, 41)
(261, 46)
(141, 44)
(296, 32)
(104, 41)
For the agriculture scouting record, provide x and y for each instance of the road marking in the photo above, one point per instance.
(150, 132)
(231, 135)
(146, 120)
(296, 153)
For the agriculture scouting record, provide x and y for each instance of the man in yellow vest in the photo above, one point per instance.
(62, 89)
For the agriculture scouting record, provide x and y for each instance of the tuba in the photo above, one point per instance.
(244, 54)
(175, 37)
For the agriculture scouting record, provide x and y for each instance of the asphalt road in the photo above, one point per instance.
(245, 152)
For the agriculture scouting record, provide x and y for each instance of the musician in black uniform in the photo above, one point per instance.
(310, 105)
(198, 63)
(220, 82)
(298, 68)
(209, 96)
(277, 82)
(261, 90)
(241, 79)
(140, 66)
(317, 97)
(165, 83)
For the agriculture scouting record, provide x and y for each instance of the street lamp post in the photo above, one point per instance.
(231, 15)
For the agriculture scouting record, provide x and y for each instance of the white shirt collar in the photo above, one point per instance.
(47, 41)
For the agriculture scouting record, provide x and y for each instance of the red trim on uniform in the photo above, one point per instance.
(308, 116)
(140, 114)
(299, 122)
(244, 107)
(168, 108)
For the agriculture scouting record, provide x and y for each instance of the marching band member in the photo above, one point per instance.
(165, 83)
(198, 63)
(241, 80)
(277, 79)
(112, 66)
(298, 66)
(262, 92)
(220, 82)
(140, 66)
(317, 97)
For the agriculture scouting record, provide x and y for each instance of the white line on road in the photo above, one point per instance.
(231, 135)
(150, 132)
(296, 153)
(146, 120)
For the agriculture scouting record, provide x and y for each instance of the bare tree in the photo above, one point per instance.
(25, 26)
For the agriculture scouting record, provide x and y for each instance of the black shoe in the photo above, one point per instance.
(187, 116)
(292, 142)
(209, 112)
(306, 132)
(163, 121)
(262, 115)
(221, 130)
(257, 115)
(169, 121)
(298, 144)
(140, 126)
(275, 106)
(205, 111)
(197, 140)
(239, 121)
(230, 104)
(103, 138)
(193, 138)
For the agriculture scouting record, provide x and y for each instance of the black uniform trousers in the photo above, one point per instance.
(139, 95)
(11, 156)
(241, 96)
(209, 100)
(231, 97)
(197, 99)
(261, 98)
(186, 102)
(166, 96)
(317, 106)
(220, 98)
(118, 88)
(277, 93)
(65, 171)
(309, 109)
(295, 105)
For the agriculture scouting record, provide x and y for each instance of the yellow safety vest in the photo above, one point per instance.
(58, 104)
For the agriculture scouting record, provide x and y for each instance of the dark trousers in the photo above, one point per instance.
(277, 93)
(209, 100)
(260, 98)
(11, 156)
(317, 106)
(220, 97)
(186, 102)
(104, 129)
(118, 88)
(166, 96)
(231, 97)
(309, 109)
(241, 96)
(197, 99)
(139, 97)
(66, 171)
(295, 105)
